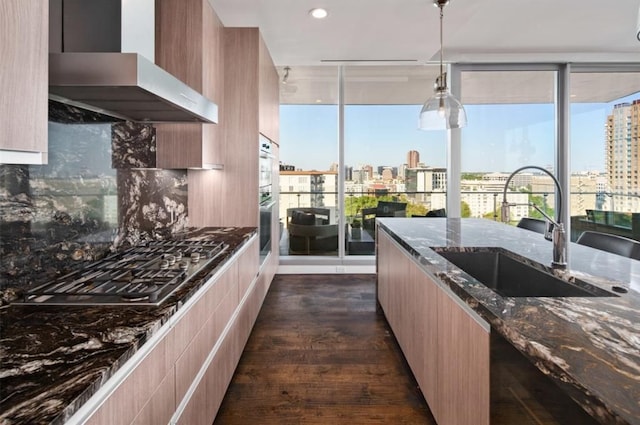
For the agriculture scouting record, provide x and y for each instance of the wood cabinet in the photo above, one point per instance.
(150, 383)
(189, 43)
(244, 57)
(463, 395)
(234, 325)
(181, 374)
(248, 264)
(251, 105)
(445, 344)
(24, 81)
(268, 95)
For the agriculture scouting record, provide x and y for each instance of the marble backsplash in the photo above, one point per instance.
(98, 192)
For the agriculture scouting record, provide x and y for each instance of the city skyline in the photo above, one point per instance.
(499, 138)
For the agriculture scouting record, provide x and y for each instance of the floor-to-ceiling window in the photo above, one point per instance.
(511, 124)
(340, 159)
(388, 162)
(309, 210)
(605, 115)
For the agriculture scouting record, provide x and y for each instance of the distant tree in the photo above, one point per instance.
(471, 176)
(539, 201)
(355, 204)
(415, 209)
(465, 210)
(492, 215)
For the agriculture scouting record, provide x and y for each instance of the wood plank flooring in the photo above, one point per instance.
(319, 353)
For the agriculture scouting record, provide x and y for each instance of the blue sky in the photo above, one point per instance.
(497, 138)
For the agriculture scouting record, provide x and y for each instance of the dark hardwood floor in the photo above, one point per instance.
(319, 353)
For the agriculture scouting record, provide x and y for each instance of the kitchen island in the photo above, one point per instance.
(588, 345)
(132, 363)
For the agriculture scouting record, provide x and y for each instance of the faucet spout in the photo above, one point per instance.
(557, 235)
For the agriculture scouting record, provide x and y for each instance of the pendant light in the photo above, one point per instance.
(442, 111)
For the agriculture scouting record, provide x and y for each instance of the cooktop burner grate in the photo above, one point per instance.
(144, 275)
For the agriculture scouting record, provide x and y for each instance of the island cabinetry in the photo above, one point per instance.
(24, 79)
(445, 344)
(463, 365)
(189, 44)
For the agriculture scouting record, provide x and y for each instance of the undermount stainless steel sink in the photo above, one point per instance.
(510, 277)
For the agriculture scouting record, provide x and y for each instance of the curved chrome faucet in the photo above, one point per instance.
(555, 228)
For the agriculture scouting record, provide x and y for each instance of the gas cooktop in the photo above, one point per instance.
(143, 275)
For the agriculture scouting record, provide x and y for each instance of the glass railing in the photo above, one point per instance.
(320, 211)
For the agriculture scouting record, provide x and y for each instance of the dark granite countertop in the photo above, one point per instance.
(589, 345)
(54, 358)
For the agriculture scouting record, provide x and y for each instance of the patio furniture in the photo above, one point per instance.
(310, 233)
(440, 212)
(533, 224)
(383, 209)
(611, 243)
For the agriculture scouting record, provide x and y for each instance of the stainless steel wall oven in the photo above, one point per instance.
(266, 200)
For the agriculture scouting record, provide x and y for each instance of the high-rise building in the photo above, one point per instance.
(348, 173)
(427, 186)
(413, 158)
(387, 174)
(402, 171)
(368, 170)
(622, 163)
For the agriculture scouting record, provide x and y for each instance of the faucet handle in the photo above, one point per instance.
(559, 247)
(505, 212)
(548, 230)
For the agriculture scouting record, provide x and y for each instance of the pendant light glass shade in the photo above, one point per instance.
(442, 111)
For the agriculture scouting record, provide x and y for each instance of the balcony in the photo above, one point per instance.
(591, 210)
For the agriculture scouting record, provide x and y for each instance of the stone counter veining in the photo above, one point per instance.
(54, 358)
(590, 346)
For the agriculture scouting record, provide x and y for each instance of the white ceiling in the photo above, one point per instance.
(405, 34)
(475, 30)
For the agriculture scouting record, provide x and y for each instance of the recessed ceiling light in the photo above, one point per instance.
(318, 13)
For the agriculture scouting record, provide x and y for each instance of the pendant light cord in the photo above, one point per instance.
(443, 83)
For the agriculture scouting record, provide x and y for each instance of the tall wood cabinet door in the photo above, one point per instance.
(269, 95)
(189, 46)
(402, 293)
(213, 147)
(24, 79)
(425, 305)
(463, 366)
(239, 202)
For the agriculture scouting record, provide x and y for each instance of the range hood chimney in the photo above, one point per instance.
(102, 59)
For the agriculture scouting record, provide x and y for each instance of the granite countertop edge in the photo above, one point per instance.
(114, 343)
(508, 315)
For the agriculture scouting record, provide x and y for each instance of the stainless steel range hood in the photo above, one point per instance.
(89, 68)
(127, 86)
